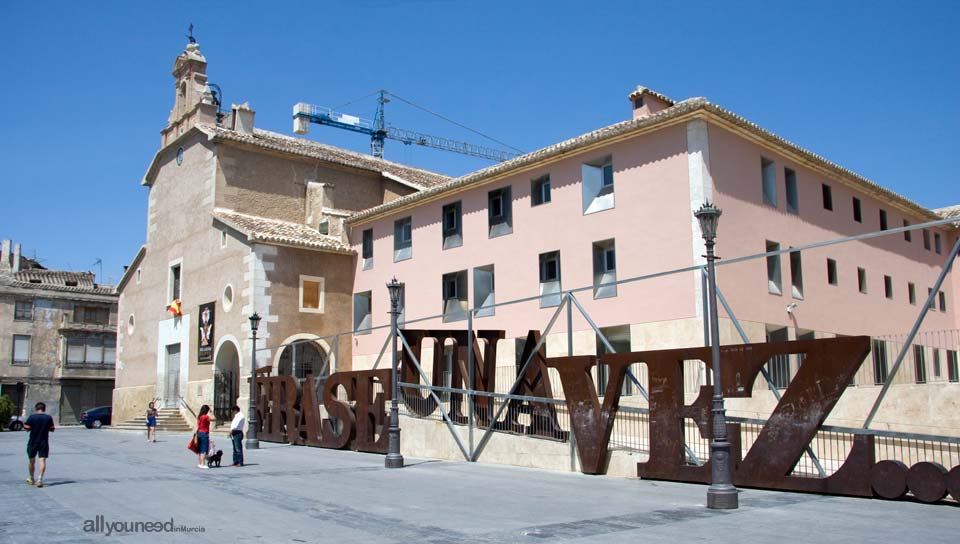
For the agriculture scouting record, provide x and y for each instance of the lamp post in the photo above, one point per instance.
(394, 459)
(721, 494)
(252, 443)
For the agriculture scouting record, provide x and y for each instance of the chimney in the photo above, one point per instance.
(243, 118)
(646, 102)
(5, 257)
(16, 258)
(317, 196)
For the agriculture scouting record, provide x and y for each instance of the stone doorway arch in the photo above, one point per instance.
(304, 354)
(226, 379)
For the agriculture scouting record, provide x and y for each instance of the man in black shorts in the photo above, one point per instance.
(40, 426)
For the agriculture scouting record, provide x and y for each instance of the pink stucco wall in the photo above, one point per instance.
(650, 185)
(747, 223)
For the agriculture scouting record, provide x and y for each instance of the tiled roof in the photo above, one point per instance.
(948, 212)
(689, 108)
(419, 179)
(644, 90)
(60, 280)
(275, 231)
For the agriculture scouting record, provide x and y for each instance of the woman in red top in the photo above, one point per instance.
(203, 435)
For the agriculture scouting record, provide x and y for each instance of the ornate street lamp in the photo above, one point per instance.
(252, 442)
(394, 459)
(721, 494)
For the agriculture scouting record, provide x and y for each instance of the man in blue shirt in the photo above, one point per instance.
(40, 426)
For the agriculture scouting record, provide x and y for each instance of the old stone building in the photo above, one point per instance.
(240, 220)
(57, 337)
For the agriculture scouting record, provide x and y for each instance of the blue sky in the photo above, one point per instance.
(869, 85)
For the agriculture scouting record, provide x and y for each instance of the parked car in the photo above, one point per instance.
(15, 424)
(95, 418)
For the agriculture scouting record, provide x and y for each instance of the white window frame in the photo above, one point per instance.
(13, 353)
(321, 294)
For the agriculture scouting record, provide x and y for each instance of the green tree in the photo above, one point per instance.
(6, 410)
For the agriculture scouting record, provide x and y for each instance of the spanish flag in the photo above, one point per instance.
(174, 308)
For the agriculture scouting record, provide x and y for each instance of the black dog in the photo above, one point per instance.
(214, 460)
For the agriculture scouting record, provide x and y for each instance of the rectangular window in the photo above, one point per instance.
(604, 269)
(455, 302)
(550, 279)
(779, 365)
(540, 190)
(452, 229)
(953, 372)
(596, 183)
(936, 363)
(883, 219)
(23, 310)
(827, 197)
(857, 212)
(483, 291)
(912, 293)
(109, 351)
(21, 349)
(879, 362)
(362, 312)
(926, 239)
(919, 364)
(862, 280)
(793, 199)
(937, 243)
(773, 269)
(75, 350)
(93, 315)
(311, 294)
(932, 299)
(907, 234)
(223, 239)
(500, 212)
(768, 175)
(943, 301)
(619, 339)
(94, 354)
(831, 272)
(796, 275)
(402, 239)
(887, 286)
(367, 249)
(175, 282)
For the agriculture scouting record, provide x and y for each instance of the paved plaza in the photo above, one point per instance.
(299, 494)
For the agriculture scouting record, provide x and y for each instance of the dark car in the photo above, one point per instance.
(95, 418)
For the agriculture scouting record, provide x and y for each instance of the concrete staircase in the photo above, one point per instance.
(168, 419)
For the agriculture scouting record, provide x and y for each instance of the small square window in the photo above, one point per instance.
(862, 280)
(888, 286)
(324, 227)
(883, 219)
(455, 302)
(907, 234)
(311, 294)
(857, 212)
(540, 190)
(827, 197)
(831, 272)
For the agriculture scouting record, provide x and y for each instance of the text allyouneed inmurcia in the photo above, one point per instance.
(99, 524)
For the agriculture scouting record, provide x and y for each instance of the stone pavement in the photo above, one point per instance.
(299, 494)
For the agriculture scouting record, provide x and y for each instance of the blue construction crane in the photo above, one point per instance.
(378, 130)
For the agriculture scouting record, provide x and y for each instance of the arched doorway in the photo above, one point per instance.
(302, 357)
(226, 381)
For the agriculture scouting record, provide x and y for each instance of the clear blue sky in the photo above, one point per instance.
(87, 87)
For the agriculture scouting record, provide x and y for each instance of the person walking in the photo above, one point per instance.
(151, 423)
(203, 436)
(40, 426)
(236, 436)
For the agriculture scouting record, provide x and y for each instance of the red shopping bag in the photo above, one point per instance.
(193, 446)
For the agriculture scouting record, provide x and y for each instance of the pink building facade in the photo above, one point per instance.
(618, 203)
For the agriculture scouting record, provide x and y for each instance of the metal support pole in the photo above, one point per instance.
(394, 459)
(913, 332)
(705, 291)
(252, 443)
(470, 383)
(569, 326)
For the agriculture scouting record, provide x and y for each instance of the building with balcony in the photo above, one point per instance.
(57, 337)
